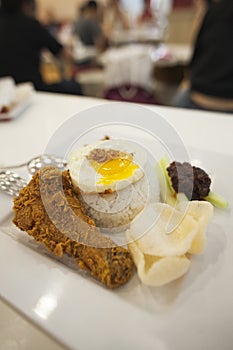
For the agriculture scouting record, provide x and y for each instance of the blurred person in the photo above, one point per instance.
(29, 8)
(81, 10)
(22, 39)
(114, 18)
(88, 27)
(210, 84)
(50, 21)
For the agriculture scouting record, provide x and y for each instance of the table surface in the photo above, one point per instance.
(27, 136)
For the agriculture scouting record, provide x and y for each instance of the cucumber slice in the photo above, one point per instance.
(164, 164)
(217, 200)
(168, 195)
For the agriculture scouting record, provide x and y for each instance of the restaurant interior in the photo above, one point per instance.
(142, 51)
(167, 43)
(130, 94)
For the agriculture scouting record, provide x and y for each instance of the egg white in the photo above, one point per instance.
(87, 179)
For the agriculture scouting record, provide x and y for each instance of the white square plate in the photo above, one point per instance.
(195, 312)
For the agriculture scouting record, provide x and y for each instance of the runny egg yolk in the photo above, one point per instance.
(116, 170)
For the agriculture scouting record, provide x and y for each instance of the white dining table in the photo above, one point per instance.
(28, 135)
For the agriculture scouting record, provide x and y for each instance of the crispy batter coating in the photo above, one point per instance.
(48, 209)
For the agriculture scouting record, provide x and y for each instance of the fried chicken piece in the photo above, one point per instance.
(48, 209)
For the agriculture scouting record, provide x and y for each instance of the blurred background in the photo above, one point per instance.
(181, 14)
(146, 51)
(171, 49)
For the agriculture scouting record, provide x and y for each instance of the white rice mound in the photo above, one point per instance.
(116, 210)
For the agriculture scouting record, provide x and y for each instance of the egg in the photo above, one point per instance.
(107, 166)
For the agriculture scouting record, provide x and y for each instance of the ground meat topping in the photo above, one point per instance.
(190, 180)
(101, 155)
(105, 138)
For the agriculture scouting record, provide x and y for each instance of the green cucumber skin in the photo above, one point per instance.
(217, 200)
